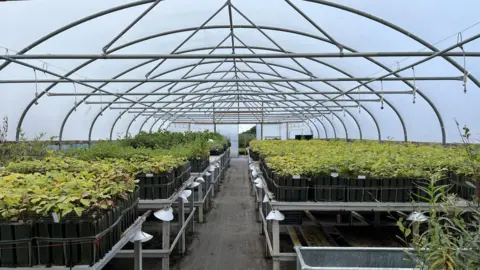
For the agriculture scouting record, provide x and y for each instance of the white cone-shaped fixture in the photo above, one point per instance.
(141, 236)
(136, 181)
(211, 168)
(259, 185)
(200, 179)
(334, 174)
(165, 214)
(258, 180)
(254, 173)
(208, 174)
(194, 184)
(417, 217)
(275, 215)
(265, 198)
(185, 194)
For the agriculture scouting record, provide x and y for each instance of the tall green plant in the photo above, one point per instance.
(450, 238)
(472, 157)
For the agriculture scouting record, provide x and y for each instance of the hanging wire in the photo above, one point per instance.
(414, 85)
(101, 105)
(381, 97)
(359, 104)
(45, 68)
(36, 86)
(75, 102)
(465, 75)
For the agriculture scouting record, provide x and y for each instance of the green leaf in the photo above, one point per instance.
(85, 202)
(78, 211)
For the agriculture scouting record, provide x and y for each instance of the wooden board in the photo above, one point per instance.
(293, 236)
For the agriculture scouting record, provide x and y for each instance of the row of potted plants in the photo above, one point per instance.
(71, 207)
(64, 218)
(362, 170)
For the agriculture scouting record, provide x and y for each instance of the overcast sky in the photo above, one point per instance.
(435, 21)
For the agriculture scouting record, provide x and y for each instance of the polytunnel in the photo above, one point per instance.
(361, 154)
(346, 69)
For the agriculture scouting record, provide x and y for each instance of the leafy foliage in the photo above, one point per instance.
(89, 180)
(450, 238)
(24, 195)
(369, 158)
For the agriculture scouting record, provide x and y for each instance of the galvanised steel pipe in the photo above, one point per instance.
(241, 56)
(237, 122)
(237, 112)
(250, 107)
(224, 101)
(193, 80)
(386, 92)
(238, 115)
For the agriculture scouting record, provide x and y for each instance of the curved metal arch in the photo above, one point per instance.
(215, 87)
(296, 32)
(412, 36)
(345, 47)
(88, 62)
(75, 23)
(144, 2)
(170, 32)
(304, 73)
(333, 86)
(208, 88)
(128, 128)
(59, 31)
(273, 49)
(398, 29)
(352, 50)
(324, 128)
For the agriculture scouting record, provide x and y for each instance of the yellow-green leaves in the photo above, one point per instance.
(369, 158)
(61, 192)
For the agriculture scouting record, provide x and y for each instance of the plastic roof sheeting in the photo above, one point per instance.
(73, 28)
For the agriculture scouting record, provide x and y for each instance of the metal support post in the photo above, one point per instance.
(200, 207)
(138, 255)
(207, 195)
(210, 195)
(276, 243)
(212, 177)
(181, 222)
(192, 222)
(259, 206)
(165, 244)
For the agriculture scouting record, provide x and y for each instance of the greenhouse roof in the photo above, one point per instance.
(374, 69)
